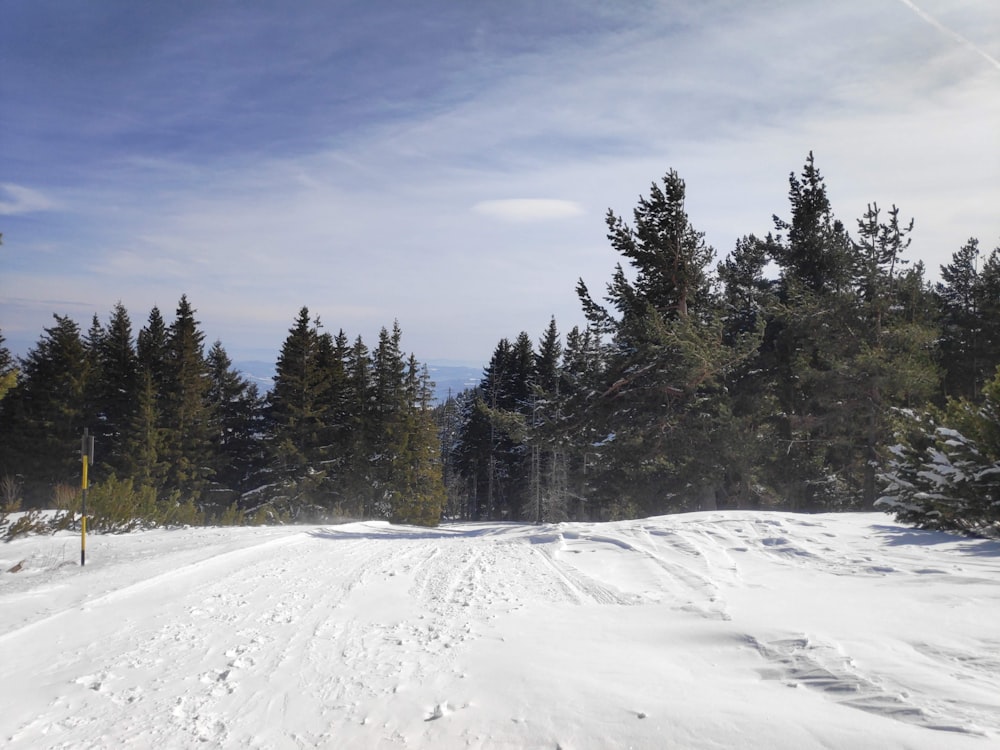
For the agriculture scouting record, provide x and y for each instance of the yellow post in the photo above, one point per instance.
(87, 457)
(83, 520)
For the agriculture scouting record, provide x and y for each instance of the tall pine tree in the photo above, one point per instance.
(187, 412)
(662, 400)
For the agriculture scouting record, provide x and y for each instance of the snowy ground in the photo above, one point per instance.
(708, 630)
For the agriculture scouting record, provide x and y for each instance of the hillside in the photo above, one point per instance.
(708, 630)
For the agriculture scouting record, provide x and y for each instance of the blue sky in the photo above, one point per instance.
(449, 164)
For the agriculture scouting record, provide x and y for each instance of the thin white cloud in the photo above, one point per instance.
(964, 41)
(528, 209)
(17, 199)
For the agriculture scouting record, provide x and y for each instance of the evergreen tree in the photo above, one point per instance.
(359, 480)
(495, 456)
(294, 403)
(117, 391)
(582, 373)
(668, 256)
(448, 417)
(662, 398)
(549, 457)
(334, 402)
(945, 471)
(990, 312)
(297, 419)
(804, 352)
(473, 454)
(236, 410)
(388, 420)
(144, 448)
(187, 413)
(893, 365)
(146, 453)
(152, 349)
(49, 411)
(749, 299)
(748, 295)
(547, 360)
(8, 373)
(93, 341)
(969, 300)
(847, 341)
(816, 255)
(418, 495)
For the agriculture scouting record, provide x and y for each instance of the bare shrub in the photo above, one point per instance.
(10, 494)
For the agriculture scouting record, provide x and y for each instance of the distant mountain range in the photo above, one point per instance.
(448, 378)
(453, 379)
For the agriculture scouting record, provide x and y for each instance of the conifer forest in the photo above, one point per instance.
(814, 369)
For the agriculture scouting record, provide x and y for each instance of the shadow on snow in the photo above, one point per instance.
(897, 536)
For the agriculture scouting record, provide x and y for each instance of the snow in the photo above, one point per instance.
(705, 630)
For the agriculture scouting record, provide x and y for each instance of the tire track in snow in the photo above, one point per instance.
(580, 587)
(676, 584)
(815, 665)
(208, 656)
(336, 658)
(167, 580)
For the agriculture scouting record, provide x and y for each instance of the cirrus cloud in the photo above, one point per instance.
(16, 199)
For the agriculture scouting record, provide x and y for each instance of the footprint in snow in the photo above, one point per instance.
(440, 711)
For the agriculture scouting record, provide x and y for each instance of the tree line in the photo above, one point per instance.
(344, 432)
(812, 369)
(815, 368)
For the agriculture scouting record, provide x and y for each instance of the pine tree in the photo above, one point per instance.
(388, 417)
(668, 256)
(448, 417)
(844, 345)
(990, 311)
(804, 353)
(748, 295)
(495, 456)
(334, 402)
(662, 398)
(547, 360)
(549, 451)
(473, 455)
(816, 255)
(295, 412)
(358, 479)
(117, 391)
(297, 417)
(152, 349)
(93, 341)
(146, 453)
(418, 495)
(144, 448)
(187, 413)
(749, 299)
(970, 347)
(8, 373)
(893, 365)
(49, 411)
(236, 411)
(581, 377)
(945, 471)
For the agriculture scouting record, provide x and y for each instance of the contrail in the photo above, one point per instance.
(953, 34)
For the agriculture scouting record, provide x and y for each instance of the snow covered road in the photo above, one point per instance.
(739, 629)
